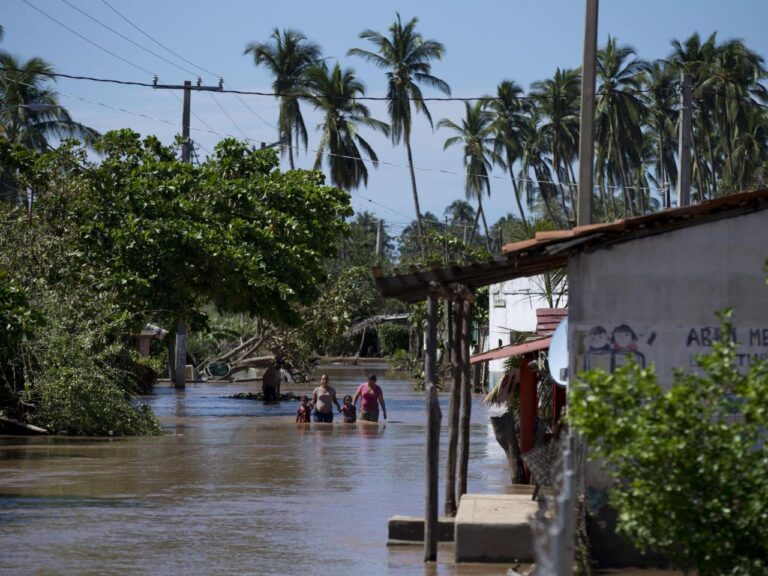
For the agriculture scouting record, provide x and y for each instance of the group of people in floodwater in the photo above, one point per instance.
(320, 407)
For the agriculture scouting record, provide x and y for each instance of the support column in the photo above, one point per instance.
(433, 433)
(527, 407)
(453, 413)
(466, 402)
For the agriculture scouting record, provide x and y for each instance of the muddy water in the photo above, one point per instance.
(233, 487)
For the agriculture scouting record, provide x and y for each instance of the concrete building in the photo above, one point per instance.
(512, 310)
(647, 286)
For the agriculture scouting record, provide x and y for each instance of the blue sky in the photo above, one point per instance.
(486, 42)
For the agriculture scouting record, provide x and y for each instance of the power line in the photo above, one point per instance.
(147, 50)
(280, 94)
(228, 116)
(99, 46)
(180, 57)
(163, 46)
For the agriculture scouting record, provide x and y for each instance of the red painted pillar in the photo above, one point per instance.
(527, 406)
(558, 403)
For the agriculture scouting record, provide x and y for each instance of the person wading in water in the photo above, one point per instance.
(271, 381)
(371, 396)
(323, 398)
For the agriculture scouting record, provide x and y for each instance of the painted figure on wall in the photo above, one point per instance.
(623, 346)
(598, 350)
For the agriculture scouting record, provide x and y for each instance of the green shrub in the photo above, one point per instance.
(82, 374)
(393, 337)
(689, 464)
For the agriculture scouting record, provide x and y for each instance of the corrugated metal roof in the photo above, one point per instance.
(512, 350)
(550, 250)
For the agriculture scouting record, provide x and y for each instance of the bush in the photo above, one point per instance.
(393, 337)
(82, 374)
(689, 464)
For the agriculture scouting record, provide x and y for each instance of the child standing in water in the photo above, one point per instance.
(304, 412)
(348, 410)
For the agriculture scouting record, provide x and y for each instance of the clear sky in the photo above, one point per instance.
(486, 42)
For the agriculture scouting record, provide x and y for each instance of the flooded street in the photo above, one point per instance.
(233, 487)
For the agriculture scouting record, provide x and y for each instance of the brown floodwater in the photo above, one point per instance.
(234, 487)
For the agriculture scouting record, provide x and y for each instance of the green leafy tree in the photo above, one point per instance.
(406, 56)
(172, 237)
(689, 462)
(142, 235)
(333, 92)
(287, 56)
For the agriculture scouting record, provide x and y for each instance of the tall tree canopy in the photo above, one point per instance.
(406, 56)
(287, 55)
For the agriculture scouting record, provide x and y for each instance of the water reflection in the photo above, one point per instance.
(233, 487)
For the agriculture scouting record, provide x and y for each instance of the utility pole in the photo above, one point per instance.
(587, 121)
(684, 152)
(379, 240)
(180, 360)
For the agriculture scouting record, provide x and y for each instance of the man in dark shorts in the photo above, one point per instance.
(271, 382)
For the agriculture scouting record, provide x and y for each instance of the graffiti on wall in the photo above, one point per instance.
(608, 351)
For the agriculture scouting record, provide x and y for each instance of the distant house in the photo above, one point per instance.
(512, 310)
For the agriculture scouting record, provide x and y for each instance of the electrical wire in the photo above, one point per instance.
(236, 125)
(163, 46)
(280, 94)
(147, 50)
(99, 46)
(180, 57)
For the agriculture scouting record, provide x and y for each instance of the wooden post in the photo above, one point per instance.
(466, 402)
(433, 462)
(433, 432)
(453, 412)
(180, 377)
(527, 407)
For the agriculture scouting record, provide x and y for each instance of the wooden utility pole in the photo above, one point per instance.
(433, 432)
(684, 152)
(587, 122)
(379, 240)
(453, 410)
(466, 402)
(179, 374)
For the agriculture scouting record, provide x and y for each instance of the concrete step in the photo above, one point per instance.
(494, 528)
(410, 529)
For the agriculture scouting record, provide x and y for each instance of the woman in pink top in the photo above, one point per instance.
(371, 396)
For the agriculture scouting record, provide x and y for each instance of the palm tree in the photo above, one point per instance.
(660, 103)
(333, 92)
(476, 134)
(31, 113)
(287, 55)
(406, 56)
(509, 122)
(557, 100)
(618, 116)
(459, 212)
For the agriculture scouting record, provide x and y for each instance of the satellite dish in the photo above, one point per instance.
(558, 354)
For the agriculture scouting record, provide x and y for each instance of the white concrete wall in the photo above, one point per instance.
(666, 289)
(512, 307)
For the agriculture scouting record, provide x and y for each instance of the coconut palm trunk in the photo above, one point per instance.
(417, 207)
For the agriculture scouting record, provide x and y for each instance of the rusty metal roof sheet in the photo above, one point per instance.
(512, 350)
(550, 250)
